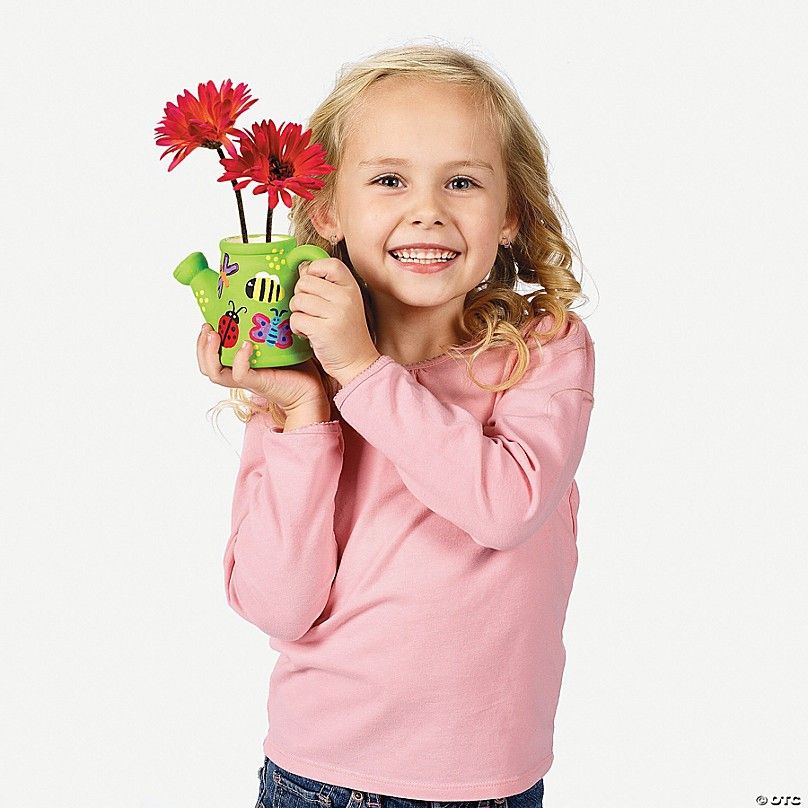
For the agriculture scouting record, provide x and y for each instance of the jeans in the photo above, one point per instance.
(283, 789)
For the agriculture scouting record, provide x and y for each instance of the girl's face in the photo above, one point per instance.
(420, 167)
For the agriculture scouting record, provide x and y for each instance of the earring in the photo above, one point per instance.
(506, 243)
(333, 239)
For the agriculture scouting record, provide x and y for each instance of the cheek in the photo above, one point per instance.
(485, 248)
(479, 221)
(488, 214)
(368, 220)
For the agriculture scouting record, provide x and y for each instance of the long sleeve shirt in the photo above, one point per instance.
(411, 562)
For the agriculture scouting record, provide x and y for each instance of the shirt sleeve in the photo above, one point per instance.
(499, 481)
(281, 557)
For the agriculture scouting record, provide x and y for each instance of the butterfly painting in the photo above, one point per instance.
(272, 330)
(226, 269)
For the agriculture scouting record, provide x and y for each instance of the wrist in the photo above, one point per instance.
(314, 412)
(349, 373)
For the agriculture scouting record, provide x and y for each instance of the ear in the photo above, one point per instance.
(324, 221)
(511, 225)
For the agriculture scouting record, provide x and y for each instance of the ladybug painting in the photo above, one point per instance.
(228, 325)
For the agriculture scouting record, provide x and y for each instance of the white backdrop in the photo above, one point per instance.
(676, 140)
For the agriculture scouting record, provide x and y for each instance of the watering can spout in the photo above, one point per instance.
(190, 267)
(195, 272)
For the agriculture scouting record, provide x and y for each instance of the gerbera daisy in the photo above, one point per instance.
(205, 121)
(279, 161)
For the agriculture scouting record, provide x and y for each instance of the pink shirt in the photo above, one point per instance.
(411, 563)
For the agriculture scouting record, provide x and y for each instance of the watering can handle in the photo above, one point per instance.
(304, 252)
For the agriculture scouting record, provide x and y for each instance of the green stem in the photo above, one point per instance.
(240, 204)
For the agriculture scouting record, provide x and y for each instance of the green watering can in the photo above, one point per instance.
(245, 298)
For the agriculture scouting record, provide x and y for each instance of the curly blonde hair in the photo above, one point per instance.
(495, 313)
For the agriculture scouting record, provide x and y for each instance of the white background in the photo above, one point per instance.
(677, 138)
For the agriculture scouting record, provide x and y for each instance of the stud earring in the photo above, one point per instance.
(333, 239)
(506, 243)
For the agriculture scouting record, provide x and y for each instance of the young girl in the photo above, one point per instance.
(404, 524)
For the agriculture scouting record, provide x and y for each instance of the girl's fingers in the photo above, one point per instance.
(212, 366)
(201, 344)
(241, 365)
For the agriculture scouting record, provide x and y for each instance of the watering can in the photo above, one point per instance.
(245, 298)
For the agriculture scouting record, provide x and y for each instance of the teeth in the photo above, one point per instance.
(423, 260)
(424, 256)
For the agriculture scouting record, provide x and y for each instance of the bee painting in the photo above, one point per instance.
(265, 288)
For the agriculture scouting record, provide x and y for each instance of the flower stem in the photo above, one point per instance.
(269, 221)
(240, 204)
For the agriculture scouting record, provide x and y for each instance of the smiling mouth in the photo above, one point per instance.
(422, 267)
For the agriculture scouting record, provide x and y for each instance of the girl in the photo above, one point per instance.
(404, 525)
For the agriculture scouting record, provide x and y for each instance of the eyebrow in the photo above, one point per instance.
(394, 161)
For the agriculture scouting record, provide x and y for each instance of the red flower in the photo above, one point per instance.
(205, 121)
(279, 161)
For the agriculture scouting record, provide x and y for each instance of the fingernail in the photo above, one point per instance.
(210, 335)
(245, 343)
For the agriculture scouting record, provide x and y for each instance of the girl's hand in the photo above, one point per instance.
(327, 308)
(289, 388)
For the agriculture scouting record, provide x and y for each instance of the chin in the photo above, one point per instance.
(418, 299)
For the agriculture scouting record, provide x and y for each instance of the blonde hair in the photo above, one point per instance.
(495, 314)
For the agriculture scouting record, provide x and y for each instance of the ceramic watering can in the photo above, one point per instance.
(245, 298)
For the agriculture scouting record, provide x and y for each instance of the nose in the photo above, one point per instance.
(426, 208)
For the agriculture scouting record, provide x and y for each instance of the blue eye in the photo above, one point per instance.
(454, 179)
(386, 176)
(464, 179)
